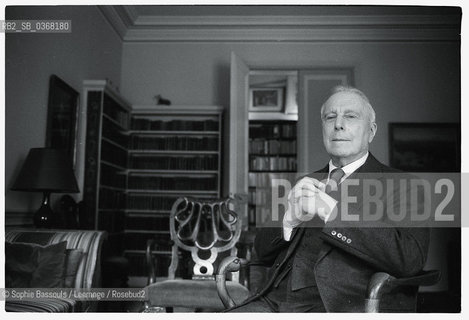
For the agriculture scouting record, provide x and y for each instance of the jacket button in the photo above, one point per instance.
(349, 240)
(333, 232)
(344, 238)
(339, 235)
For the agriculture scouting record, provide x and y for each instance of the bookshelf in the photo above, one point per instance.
(173, 151)
(272, 155)
(138, 161)
(108, 118)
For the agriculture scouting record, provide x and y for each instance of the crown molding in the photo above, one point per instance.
(290, 35)
(118, 18)
(131, 12)
(296, 21)
(134, 28)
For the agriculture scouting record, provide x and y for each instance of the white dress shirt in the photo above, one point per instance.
(348, 169)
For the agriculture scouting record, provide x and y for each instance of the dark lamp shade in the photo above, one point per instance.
(48, 170)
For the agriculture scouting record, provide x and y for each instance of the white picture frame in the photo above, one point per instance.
(265, 99)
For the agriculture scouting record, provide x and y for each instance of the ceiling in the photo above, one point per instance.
(160, 23)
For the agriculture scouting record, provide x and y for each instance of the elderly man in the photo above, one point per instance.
(320, 262)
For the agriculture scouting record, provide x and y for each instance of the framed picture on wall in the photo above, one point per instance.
(425, 147)
(62, 117)
(265, 99)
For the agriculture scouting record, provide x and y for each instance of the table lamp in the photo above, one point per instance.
(46, 170)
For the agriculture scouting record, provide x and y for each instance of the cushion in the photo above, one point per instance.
(73, 258)
(193, 294)
(30, 265)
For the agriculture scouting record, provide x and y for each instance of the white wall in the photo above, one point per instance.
(406, 82)
(91, 51)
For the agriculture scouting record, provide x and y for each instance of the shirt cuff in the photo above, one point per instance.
(287, 231)
(287, 228)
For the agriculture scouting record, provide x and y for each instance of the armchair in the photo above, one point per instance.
(379, 284)
(207, 230)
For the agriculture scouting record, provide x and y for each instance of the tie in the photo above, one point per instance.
(334, 180)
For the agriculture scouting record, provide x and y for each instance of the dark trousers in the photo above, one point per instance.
(283, 299)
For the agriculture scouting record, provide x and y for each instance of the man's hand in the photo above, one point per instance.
(307, 199)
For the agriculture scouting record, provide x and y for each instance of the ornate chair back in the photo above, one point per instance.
(205, 228)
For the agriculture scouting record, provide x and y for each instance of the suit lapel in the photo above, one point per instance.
(371, 165)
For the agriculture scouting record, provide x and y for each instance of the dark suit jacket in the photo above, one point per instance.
(350, 253)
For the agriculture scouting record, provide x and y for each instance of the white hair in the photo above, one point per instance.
(361, 95)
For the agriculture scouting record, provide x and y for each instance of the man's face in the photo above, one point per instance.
(346, 128)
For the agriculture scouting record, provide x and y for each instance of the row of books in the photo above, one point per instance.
(258, 215)
(116, 112)
(264, 179)
(138, 264)
(208, 162)
(109, 177)
(111, 199)
(113, 154)
(111, 221)
(144, 202)
(252, 216)
(138, 241)
(156, 223)
(261, 146)
(259, 196)
(262, 130)
(174, 143)
(261, 163)
(166, 183)
(174, 125)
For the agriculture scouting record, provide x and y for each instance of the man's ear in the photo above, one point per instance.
(373, 129)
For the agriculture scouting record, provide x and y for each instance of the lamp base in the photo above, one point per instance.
(44, 217)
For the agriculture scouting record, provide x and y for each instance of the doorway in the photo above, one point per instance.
(294, 96)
